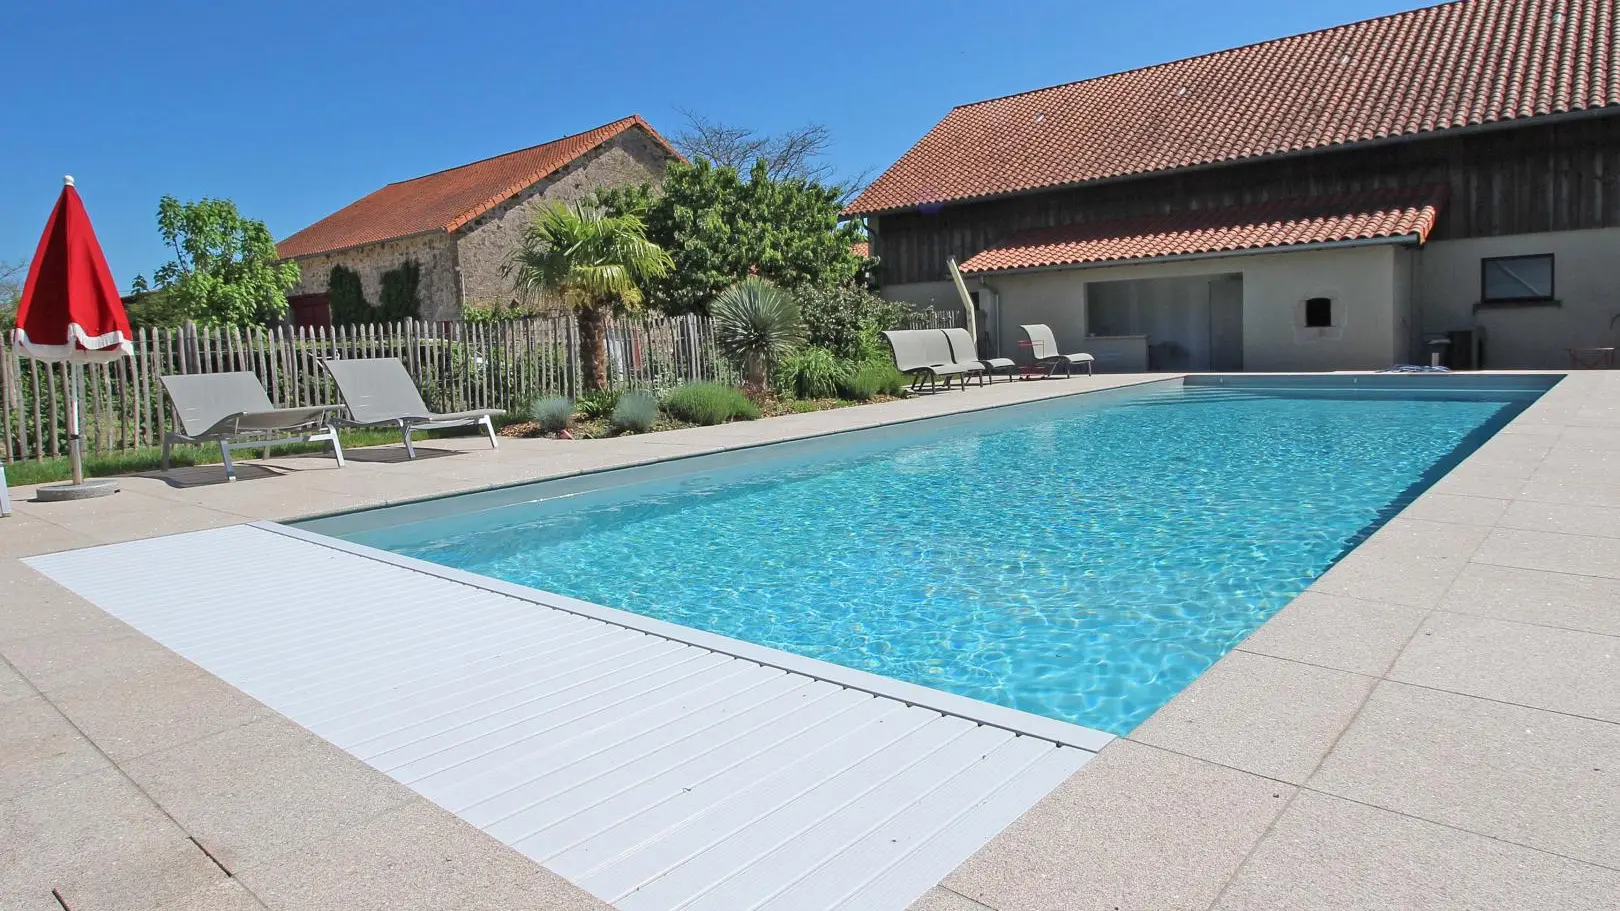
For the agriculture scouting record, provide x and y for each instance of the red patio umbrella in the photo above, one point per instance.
(70, 311)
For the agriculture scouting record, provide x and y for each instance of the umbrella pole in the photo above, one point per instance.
(75, 442)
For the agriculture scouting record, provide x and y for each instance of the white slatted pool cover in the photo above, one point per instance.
(654, 773)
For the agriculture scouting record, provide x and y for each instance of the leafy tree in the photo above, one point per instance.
(225, 269)
(759, 324)
(12, 276)
(721, 228)
(596, 262)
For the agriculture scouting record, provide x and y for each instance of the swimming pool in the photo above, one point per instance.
(1082, 559)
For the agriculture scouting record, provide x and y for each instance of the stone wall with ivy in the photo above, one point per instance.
(433, 257)
(483, 245)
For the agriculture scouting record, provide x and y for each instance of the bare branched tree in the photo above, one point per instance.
(799, 152)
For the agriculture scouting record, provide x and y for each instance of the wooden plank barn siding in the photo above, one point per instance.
(1553, 176)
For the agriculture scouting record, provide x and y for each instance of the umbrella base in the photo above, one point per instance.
(54, 493)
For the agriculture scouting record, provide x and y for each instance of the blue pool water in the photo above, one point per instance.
(1083, 560)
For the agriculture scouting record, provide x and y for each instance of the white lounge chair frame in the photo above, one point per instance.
(232, 409)
(5, 495)
(379, 392)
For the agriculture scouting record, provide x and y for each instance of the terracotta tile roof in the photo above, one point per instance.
(862, 249)
(446, 200)
(1460, 64)
(1385, 214)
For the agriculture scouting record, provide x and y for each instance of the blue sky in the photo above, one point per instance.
(294, 108)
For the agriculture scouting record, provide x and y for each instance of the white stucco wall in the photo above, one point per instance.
(1360, 281)
(1585, 266)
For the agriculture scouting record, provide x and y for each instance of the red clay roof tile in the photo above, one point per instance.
(446, 200)
(1389, 214)
(1459, 64)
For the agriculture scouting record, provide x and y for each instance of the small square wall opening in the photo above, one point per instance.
(1318, 312)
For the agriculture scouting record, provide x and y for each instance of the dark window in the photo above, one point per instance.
(1516, 278)
(1318, 313)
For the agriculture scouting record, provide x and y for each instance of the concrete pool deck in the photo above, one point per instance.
(1434, 724)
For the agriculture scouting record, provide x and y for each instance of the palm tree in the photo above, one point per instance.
(595, 262)
(758, 323)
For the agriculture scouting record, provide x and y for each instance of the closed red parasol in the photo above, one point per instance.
(70, 311)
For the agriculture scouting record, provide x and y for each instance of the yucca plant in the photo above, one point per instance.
(595, 262)
(758, 324)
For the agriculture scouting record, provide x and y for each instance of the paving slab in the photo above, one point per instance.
(1578, 554)
(12, 685)
(942, 899)
(229, 895)
(1533, 596)
(417, 857)
(102, 844)
(257, 791)
(1478, 483)
(1562, 518)
(82, 655)
(1448, 507)
(1579, 489)
(1260, 714)
(1559, 670)
(161, 706)
(40, 749)
(1139, 827)
(1327, 854)
(1522, 775)
(1602, 439)
(24, 536)
(1409, 562)
(1348, 634)
(32, 605)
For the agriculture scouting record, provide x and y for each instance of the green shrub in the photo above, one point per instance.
(552, 413)
(636, 412)
(845, 320)
(813, 373)
(593, 406)
(871, 380)
(709, 403)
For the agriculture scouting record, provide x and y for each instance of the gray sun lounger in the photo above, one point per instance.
(1044, 347)
(963, 351)
(379, 393)
(232, 409)
(925, 356)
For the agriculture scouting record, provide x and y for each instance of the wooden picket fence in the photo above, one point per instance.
(457, 366)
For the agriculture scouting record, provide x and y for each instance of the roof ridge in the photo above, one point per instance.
(530, 148)
(1215, 53)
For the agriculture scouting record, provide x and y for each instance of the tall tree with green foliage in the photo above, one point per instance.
(596, 262)
(225, 269)
(721, 227)
(11, 286)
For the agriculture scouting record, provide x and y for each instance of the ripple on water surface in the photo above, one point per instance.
(1084, 567)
